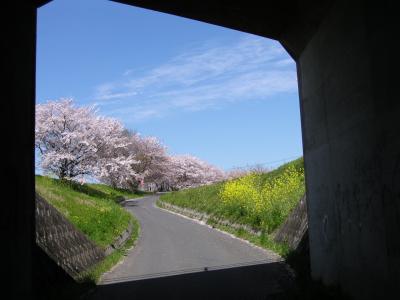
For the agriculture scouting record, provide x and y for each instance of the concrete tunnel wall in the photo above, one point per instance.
(349, 109)
(17, 128)
(351, 140)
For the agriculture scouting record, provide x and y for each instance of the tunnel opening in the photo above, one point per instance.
(255, 54)
(348, 107)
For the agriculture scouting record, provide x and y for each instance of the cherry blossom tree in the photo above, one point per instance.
(75, 141)
(188, 171)
(236, 173)
(141, 160)
(243, 171)
(114, 166)
(151, 158)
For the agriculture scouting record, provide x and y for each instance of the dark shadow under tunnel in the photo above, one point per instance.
(262, 281)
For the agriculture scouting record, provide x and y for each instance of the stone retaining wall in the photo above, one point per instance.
(120, 241)
(295, 227)
(70, 248)
(63, 242)
(291, 232)
(205, 217)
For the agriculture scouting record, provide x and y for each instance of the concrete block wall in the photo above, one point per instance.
(63, 242)
(294, 229)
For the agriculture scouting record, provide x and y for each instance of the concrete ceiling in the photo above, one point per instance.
(292, 22)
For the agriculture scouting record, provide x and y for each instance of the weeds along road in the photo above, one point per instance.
(171, 243)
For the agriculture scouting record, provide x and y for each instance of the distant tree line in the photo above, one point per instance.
(74, 142)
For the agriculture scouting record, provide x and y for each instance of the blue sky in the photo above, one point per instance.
(222, 95)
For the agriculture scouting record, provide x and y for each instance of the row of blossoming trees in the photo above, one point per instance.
(75, 142)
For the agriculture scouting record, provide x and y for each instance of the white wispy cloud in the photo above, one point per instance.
(113, 95)
(209, 76)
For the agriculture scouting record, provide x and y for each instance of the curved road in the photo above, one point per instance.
(171, 244)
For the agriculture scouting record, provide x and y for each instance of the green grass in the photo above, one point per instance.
(204, 199)
(240, 208)
(94, 274)
(261, 201)
(92, 208)
(263, 241)
(116, 194)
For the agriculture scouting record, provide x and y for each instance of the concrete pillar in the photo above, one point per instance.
(350, 111)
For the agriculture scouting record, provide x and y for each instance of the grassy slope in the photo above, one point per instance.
(207, 199)
(94, 210)
(90, 207)
(95, 273)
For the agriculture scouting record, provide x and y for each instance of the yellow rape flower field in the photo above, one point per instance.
(264, 203)
(260, 200)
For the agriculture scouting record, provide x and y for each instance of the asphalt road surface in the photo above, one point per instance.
(170, 244)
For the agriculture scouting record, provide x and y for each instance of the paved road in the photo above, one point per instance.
(173, 244)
